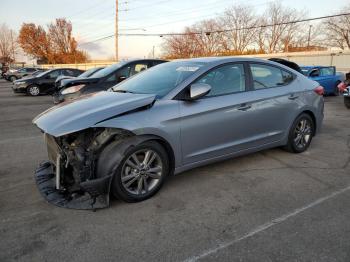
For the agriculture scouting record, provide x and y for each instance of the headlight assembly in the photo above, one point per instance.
(71, 90)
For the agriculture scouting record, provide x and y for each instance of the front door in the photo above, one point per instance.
(213, 125)
(48, 81)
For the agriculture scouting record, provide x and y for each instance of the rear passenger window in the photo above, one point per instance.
(137, 68)
(265, 76)
(69, 72)
(224, 80)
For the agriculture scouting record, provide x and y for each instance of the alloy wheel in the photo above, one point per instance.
(302, 133)
(141, 172)
(34, 90)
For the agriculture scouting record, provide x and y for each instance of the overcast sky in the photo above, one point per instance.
(93, 19)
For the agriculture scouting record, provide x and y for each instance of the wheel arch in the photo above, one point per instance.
(313, 117)
(132, 139)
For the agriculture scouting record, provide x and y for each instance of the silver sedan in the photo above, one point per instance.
(171, 118)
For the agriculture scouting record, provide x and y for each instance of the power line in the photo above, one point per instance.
(173, 21)
(142, 6)
(218, 31)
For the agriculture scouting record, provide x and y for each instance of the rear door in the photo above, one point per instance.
(274, 102)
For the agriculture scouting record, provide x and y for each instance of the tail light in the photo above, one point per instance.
(319, 90)
(341, 87)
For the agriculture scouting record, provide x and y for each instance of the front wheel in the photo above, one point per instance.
(347, 102)
(141, 173)
(33, 90)
(300, 134)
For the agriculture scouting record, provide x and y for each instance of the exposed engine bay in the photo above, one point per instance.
(70, 178)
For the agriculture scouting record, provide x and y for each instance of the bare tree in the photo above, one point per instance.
(277, 31)
(194, 42)
(8, 44)
(243, 19)
(337, 30)
(208, 43)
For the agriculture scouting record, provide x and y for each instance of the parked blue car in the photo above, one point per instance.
(326, 76)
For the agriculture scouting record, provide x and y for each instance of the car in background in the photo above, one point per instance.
(22, 72)
(288, 63)
(9, 71)
(63, 80)
(326, 76)
(42, 83)
(104, 79)
(171, 118)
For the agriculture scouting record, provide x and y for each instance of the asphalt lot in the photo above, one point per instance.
(268, 206)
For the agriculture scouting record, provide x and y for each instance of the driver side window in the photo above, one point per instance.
(122, 72)
(54, 74)
(224, 80)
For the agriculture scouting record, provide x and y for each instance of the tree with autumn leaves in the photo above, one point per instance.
(56, 45)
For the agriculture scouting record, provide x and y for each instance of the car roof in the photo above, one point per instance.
(140, 60)
(223, 59)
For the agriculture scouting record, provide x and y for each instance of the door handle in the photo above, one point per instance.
(292, 97)
(244, 107)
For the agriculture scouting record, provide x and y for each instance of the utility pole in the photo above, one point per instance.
(308, 39)
(153, 52)
(12, 48)
(116, 31)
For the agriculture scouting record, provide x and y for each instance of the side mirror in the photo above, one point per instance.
(199, 90)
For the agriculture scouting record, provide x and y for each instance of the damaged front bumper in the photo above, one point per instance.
(93, 194)
(68, 179)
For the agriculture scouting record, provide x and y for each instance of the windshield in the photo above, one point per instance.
(89, 72)
(43, 73)
(159, 80)
(108, 70)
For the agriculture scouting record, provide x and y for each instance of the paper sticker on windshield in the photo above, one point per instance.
(187, 68)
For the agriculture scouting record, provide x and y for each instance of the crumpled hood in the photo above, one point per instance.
(77, 80)
(28, 78)
(86, 111)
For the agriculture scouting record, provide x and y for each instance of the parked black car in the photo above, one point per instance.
(43, 83)
(64, 80)
(288, 63)
(104, 79)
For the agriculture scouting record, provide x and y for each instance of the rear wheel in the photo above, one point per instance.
(347, 102)
(300, 134)
(13, 78)
(141, 173)
(33, 90)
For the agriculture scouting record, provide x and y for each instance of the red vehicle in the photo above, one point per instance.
(344, 88)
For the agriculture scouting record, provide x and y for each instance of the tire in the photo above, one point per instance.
(33, 90)
(126, 177)
(347, 102)
(304, 132)
(336, 90)
(12, 78)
